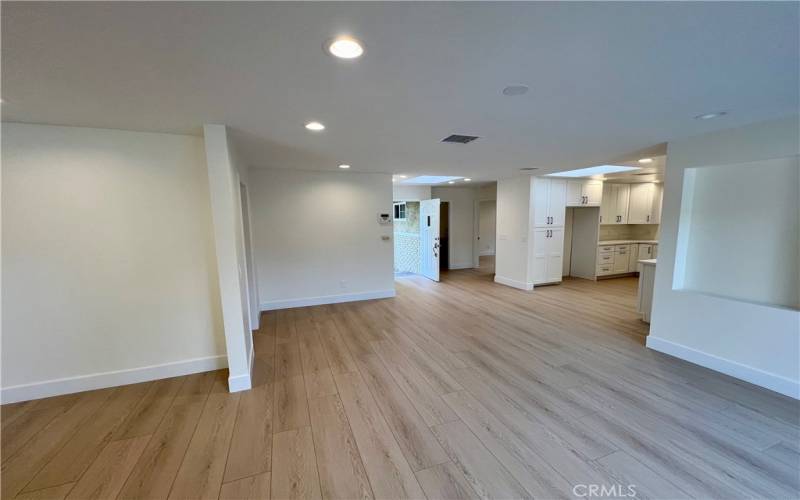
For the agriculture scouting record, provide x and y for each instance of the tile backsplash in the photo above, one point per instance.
(629, 232)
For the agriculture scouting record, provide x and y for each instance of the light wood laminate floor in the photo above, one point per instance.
(459, 389)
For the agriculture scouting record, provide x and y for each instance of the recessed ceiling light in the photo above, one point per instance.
(467, 179)
(528, 169)
(345, 47)
(451, 182)
(402, 176)
(344, 166)
(709, 116)
(315, 126)
(646, 160)
(513, 90)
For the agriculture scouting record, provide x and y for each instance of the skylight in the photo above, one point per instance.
(598, 170)
(430, 179)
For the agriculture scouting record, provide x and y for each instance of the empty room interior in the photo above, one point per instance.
(400, 250)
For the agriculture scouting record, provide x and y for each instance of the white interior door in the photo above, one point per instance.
(429, 238)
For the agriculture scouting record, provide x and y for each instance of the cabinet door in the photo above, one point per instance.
(557, 202)
(641, 203)
(621, 257)
(555, 255)
(622, 192)
(541, 191)
(593, 191)
(540, 248)
(574, 193)
(608, 205)
(658, 199)
(633, 258)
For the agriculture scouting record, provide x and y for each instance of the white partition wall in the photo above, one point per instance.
(109, 270)
(718, 325)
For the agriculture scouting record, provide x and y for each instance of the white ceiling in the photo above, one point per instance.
(605, 79)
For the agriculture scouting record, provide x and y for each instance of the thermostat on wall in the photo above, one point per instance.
(384, 218)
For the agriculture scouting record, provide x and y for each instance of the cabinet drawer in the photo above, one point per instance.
(604, 269)
(606, 248)
(622, 248)
(605, 258)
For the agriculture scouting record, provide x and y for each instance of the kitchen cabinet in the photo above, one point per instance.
(646, 251)
(633, 258)
(549, 202)
(614, 204)
(645, 203)
(584, 193)
(621, 258)
(548, 255)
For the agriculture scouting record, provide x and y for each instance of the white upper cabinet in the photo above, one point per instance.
(658, 199)
(614, 204)
(584, 193)
(549, 202)
(641, 203)
(645, 204)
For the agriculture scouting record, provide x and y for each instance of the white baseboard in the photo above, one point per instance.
(82, 383)
(244, 381)
(513, 283)
(487, 252)
(771, 381)
(326, 299)
(453, 267)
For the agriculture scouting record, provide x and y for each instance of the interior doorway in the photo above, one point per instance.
(487, 234)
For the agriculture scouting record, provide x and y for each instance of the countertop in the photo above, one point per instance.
(648, 262)
(626, 242)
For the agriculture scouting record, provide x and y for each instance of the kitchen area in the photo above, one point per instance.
(611, 226)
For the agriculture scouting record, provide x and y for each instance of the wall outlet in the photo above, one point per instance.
(343, 284)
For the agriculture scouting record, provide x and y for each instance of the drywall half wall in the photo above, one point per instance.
(317, 236)
(463, 227)
(109, 271)
(754, 342)
(225, 185)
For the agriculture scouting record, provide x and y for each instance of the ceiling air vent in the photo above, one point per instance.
(460, 139)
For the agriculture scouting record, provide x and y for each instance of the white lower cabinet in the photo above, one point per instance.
(548, 255)
(621, 257)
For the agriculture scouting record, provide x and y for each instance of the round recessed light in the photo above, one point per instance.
(345, 47)
(646, 160)
(451, 182)
(467, 179)
(345, 167)
(315, 126)
(402, 176)
(513, 90)
(709, 116)
(527, 169)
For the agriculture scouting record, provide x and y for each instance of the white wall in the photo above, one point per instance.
(463, 237)
(232, 269)
(108, 260)
(317, 236)
(720, 214)
(513, 216)
(410, 193)
(757, 343)
(488, 227)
